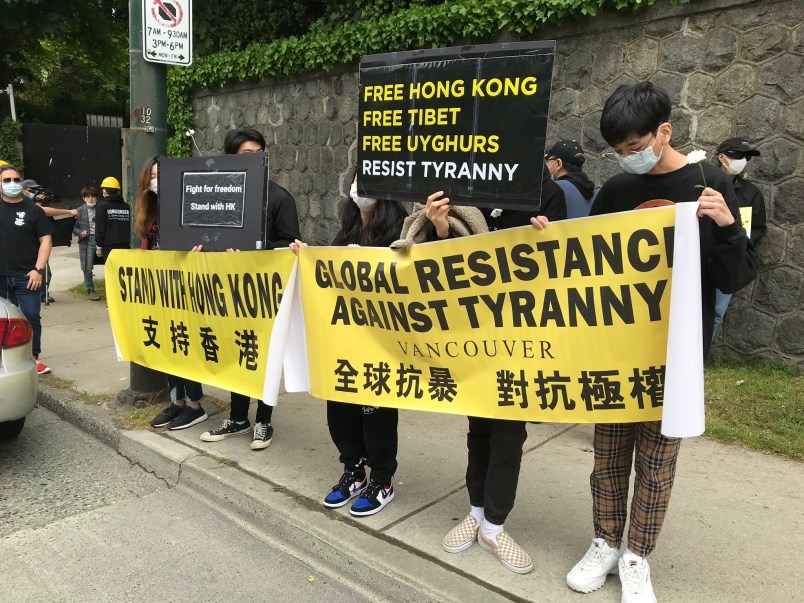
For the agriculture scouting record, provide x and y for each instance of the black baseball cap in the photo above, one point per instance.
(567, 151)
(736, 148)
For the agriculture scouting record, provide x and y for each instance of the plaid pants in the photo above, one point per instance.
(655, 466)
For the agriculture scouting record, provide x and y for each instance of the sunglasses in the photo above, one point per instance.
(7, 180)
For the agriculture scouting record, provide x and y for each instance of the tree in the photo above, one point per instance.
(65, 58)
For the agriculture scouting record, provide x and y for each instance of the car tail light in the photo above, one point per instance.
(15, 332)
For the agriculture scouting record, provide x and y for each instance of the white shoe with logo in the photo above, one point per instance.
(635, 579)
(598, 563)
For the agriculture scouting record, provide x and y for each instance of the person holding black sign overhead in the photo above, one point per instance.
(494, 445)
(281, 229)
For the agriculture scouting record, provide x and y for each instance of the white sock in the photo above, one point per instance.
(490, 530)
(477, 513)
(240, 422)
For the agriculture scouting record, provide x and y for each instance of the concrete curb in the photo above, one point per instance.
(380, 567)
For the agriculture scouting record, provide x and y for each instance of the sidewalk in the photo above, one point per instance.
(732, 531)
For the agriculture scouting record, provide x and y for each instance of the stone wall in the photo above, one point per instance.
(732, 68)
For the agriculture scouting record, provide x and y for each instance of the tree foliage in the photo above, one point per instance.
(65, 58)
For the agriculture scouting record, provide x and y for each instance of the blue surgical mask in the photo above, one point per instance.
(641, 162)
(12, 189)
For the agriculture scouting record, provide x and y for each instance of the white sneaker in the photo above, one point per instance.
(635, 579)
(590, 573)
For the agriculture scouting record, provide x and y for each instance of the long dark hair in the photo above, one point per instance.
(145, 210)
(382, 229)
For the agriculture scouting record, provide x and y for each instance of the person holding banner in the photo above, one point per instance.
(494, 445)
(635, 122)
(185, 408)
(364, 435)
(281, 229)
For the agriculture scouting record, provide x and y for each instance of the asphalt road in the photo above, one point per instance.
(78, 522)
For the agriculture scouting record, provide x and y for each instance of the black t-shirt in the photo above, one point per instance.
(728, 261)
(21, 226)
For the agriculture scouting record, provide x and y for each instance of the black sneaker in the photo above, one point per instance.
(351, 484)
(263, 432)
(227, 429)
(166, 416)
(373, 499)
(187, 418)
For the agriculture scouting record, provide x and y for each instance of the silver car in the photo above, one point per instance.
(19, 382)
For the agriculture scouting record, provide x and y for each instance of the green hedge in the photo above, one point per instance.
(9, 149)
(416, 27)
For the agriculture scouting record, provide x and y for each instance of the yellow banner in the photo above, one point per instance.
(568, 324)
(203, 316)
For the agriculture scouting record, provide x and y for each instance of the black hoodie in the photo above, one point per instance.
(113, 223)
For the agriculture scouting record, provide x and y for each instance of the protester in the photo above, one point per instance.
(732, 156)
(494, 445)
(25, 244)
(112, 220)
(185, 408)
(33, 191)
(84, 229)
(281, 229)
(364, 435)
(552, 205)
(565, 161)
(635, 122)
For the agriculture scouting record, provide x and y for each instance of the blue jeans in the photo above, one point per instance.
(86, 254)
(15, 289)
(721, 305)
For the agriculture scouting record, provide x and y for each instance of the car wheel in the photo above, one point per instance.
(11, 429)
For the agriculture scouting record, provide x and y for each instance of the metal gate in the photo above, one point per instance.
(67, 158)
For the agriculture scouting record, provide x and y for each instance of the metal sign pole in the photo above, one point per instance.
(147, 137)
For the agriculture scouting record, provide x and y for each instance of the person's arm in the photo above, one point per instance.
(554, 202)
(282, 227)
(51, 212)
(759, 224)
(100, 225)
(34, 277)
(437, 211)
(732, 260)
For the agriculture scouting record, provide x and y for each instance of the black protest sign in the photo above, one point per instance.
(217, 202)
(213, 199)
(470, 121)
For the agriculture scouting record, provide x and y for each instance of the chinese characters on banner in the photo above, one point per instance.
(568, 324)
(203, 316)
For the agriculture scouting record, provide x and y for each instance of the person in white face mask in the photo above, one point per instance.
(84, 229)
(25, 244)
(732, 156)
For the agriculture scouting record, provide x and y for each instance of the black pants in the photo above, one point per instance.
(239, 409)
(495, 455)
(365, 434)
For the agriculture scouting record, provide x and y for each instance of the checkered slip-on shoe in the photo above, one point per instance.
(510, 554)
(461, 536)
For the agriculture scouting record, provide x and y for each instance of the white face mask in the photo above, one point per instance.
(364, 203)
(91, 203)
(735, 166)
(154, 187)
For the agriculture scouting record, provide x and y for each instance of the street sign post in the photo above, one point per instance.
(167, 33)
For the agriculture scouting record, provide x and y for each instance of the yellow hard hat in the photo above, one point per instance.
(110, 182)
